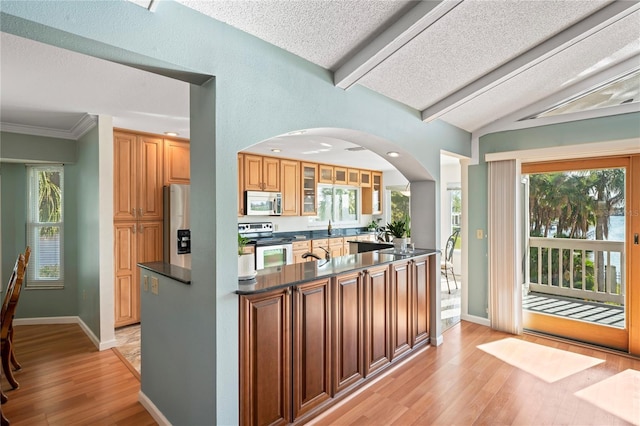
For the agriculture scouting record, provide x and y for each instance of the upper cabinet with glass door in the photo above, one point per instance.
(309, 190)
(332, 174)
(372, 195)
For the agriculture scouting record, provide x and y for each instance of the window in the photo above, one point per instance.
(400, 203)
(338, 204)
(45, 226)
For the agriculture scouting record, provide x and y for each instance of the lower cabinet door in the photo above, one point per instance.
(420, 296)
(265, 358)
(376, 319)
(311, 346)
(401, 309)
(126, 296)
(348, 331)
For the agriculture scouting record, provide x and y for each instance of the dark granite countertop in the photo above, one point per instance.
(299, 273)
(317, 234)
(168, 270)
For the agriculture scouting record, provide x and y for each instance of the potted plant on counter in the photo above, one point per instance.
(398, 230)
(246, 261)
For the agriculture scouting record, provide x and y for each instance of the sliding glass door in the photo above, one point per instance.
(577, 276)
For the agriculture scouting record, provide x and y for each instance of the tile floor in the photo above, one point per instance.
(128, 344)
(450, 304)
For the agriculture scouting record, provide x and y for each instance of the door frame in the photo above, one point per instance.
(626, 339)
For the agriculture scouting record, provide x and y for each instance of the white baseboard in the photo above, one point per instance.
(436, 341)
(476, 320)
(68, 320)
(46, 320)
(153, 410)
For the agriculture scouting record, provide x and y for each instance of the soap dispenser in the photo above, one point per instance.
(329, 228)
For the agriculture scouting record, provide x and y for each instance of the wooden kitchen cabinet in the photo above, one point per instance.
(127, 305)
(372, 195)
(348, 331)
(376, 192)
(420, 300)
(353, 177)
(290, 187)
(318, 247)
(377, 352)
(265, 358)
(177, 162)
(336, 247)
(309, 176)
(240, 184)
(300, 248)
(365, 178)
(311, 346)
(135, 242)
(267, 368)
(261, 173)
(332, 174)
(401, 309)
(138, 177)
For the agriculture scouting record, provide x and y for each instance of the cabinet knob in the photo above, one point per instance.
(140, 212)
(141, 228)
(134, 228)
(133, 212)
(288, 291)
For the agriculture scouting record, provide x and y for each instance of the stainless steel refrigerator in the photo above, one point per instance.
(177, 234)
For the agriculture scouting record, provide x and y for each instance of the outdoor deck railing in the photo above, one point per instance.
(577, 268)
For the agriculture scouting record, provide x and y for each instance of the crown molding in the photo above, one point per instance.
(86, 123)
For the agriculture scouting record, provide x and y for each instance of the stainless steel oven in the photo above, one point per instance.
(273, 255)
(270, 250)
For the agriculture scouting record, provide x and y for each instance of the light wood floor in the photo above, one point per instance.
(65, 380)
(458, 384)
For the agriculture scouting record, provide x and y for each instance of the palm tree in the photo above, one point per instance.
(608, 192)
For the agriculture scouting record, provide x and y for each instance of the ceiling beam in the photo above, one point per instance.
(418, 19)
(566, 38)
(516, 119)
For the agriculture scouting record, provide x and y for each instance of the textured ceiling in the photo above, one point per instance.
(471, 63)
(468, 42)
(609, 46)
(323, 32)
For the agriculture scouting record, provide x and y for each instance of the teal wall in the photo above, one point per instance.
(14, 210)
(37, 303)
(260, 91)
(27, 148)
(83, 175)
(575, 133)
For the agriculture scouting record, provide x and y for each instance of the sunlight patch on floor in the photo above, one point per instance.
(618, 395)
(548, 364)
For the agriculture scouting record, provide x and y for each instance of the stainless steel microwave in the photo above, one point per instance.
(260, 203)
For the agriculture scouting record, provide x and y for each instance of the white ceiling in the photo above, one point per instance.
(472, 63)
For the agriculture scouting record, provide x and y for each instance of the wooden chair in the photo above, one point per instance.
(446, 266)
(6, 315)
(4, 321)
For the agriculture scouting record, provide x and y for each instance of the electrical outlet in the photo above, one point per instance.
(154, 285)
(145, 283)
(479, 234)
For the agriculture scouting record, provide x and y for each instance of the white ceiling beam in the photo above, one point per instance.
(572, 35)
(393, 38)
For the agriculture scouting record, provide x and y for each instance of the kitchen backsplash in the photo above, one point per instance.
(304, 223)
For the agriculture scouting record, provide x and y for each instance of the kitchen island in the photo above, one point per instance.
(314, 332)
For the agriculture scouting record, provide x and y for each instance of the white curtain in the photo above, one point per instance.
(505, 248)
